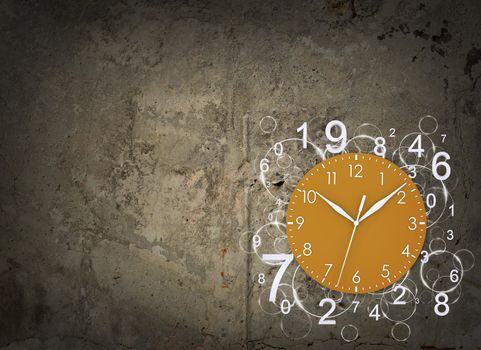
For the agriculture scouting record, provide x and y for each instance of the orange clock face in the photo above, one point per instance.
(356, 223)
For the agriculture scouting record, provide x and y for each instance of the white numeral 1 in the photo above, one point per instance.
(303, 128)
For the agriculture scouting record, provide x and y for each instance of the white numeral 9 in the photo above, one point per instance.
(342, 138)
(300, 222)
(256, 241)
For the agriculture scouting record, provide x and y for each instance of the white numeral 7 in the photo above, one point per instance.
(357, 304)
(284, 260)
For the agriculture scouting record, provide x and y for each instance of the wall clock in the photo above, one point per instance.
(356, 223)
(356, 226)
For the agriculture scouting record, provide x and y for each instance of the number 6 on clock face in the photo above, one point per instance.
(363, 221)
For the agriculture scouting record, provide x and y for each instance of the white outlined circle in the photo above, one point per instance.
(398, 328)
(349, 333)
(426, 117)
(268, 124)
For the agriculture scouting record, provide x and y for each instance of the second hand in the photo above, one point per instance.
(356, 223)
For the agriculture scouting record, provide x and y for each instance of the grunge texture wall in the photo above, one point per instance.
(128, 156)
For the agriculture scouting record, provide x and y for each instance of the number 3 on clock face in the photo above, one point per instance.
(356, 223)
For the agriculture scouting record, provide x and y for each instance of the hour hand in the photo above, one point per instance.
(379, 204)
(337, 208)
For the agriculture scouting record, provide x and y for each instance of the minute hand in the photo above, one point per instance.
(379, 204)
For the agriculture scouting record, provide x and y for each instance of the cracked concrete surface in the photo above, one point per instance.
(128, 147)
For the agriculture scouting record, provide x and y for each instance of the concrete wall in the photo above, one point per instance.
(129, 142)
